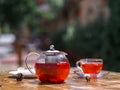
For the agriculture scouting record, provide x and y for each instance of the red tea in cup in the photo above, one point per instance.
(90, 66)
(52, 72)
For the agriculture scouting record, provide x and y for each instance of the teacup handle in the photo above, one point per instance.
(78, 66)
(26, 61)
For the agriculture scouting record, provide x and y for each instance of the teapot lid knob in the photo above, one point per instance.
(52, 47)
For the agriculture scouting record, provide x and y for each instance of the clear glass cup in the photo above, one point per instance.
(90, 66)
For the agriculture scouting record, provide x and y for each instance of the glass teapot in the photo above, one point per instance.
(52, 66)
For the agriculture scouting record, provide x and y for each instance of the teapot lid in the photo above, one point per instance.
(52, 51)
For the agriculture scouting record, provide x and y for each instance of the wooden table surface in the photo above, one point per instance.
(109, 82)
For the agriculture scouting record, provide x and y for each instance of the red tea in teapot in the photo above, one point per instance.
(52, 72)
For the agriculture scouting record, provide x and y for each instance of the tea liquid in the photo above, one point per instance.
(52, 72)
(91, 68)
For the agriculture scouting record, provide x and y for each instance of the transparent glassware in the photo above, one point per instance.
(90, 66)
(52, 66)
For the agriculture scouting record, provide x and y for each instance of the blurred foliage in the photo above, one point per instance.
(27, 12)
(15, 12)
(111, 44)
(85, 41)
(96, 40)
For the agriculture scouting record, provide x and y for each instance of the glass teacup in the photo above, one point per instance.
(90, 66)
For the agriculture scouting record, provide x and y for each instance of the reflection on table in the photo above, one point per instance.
(73, 82)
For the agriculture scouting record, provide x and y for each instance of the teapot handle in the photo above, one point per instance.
(26, 61)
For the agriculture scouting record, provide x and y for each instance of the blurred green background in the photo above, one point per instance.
(82, 28)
